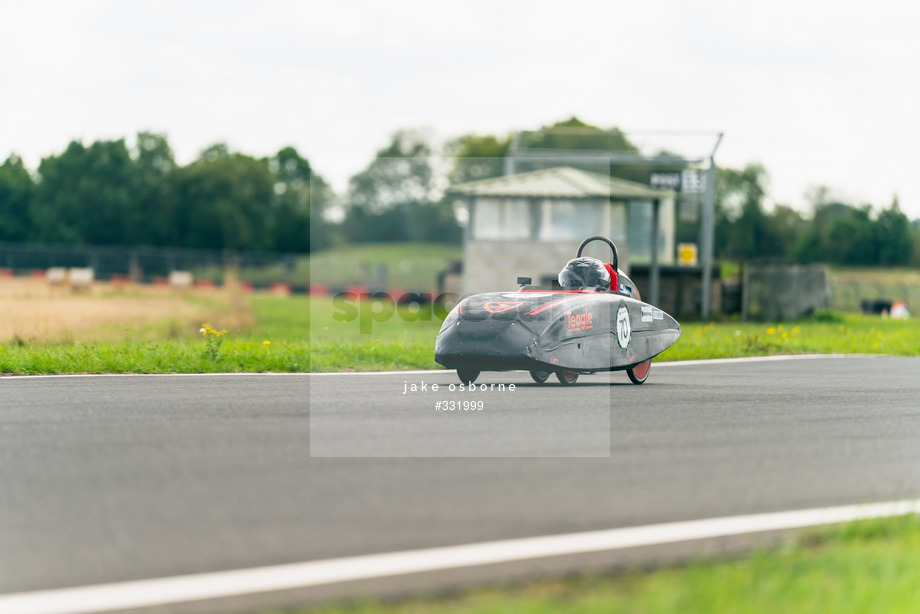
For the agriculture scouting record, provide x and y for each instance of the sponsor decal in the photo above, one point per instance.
(624, 330)
(658, 314)
(582, 320)
(501, 306)
(646, 314)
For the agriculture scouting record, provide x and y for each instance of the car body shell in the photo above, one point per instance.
(551, 329)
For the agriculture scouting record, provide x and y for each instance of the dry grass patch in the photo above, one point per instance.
(33, 311)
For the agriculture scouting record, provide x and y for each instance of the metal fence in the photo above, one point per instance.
(864, 296)
(139, 263)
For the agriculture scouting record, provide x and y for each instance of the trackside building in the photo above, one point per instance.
(530, 224)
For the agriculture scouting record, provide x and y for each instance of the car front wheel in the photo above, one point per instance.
(639, 373)
(566, 378)
(467, 376)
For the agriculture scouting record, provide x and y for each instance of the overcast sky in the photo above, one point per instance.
(820, 92)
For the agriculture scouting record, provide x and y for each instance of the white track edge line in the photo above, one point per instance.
(656, 365)
(744, 359)
(86, 375)
(178, 589)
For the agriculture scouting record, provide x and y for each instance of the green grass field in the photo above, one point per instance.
(278, 342)
(411, 266)
(303, 335)
(862, 567)
(375, 339)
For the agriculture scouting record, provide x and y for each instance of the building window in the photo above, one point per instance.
(566, 220)
(501, 218)
(640, 232)
(618, 224)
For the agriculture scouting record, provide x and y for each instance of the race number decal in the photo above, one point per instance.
(624, 331)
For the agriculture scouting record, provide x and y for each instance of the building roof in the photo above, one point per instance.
(558, 182)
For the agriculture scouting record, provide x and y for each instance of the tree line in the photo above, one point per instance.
(107, 193)
(835, 232)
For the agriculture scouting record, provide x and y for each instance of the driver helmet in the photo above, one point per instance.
(584, 273)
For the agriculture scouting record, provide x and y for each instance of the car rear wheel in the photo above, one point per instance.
(639, 373)
(566, 378)
(540, 376)
(467, 376)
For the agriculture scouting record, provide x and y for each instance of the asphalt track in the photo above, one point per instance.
(113, 478)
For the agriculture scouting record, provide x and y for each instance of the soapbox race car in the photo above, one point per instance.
(593, 321)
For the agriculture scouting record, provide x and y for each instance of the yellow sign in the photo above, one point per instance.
(686, 254)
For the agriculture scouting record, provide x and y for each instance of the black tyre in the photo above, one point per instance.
(467, 376)
(566, 378)
(540, 376)
(639, 373)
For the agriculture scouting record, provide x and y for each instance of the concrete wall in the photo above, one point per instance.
(680, 289)
(781, 292)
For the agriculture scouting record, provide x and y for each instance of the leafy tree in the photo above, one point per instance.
(480, 157)
(363, 225)
(223, 200)
(106, 194)
(812, 245)
(85, 195)
(16, 190)
(843, 234)
(895, 236)
(477, 157)
(154, 165)
(742, 227)
(402, 172)
(851, 239)
(576, 136)
(398, 197)
(153, 156)
(787, 226)
(300, 196)
(431, 221)
(915, 233)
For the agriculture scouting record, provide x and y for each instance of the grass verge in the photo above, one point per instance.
(171, 356)
(305, 334)
(826, 333)
(865, 566)
(277, 343)
(368, 336)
